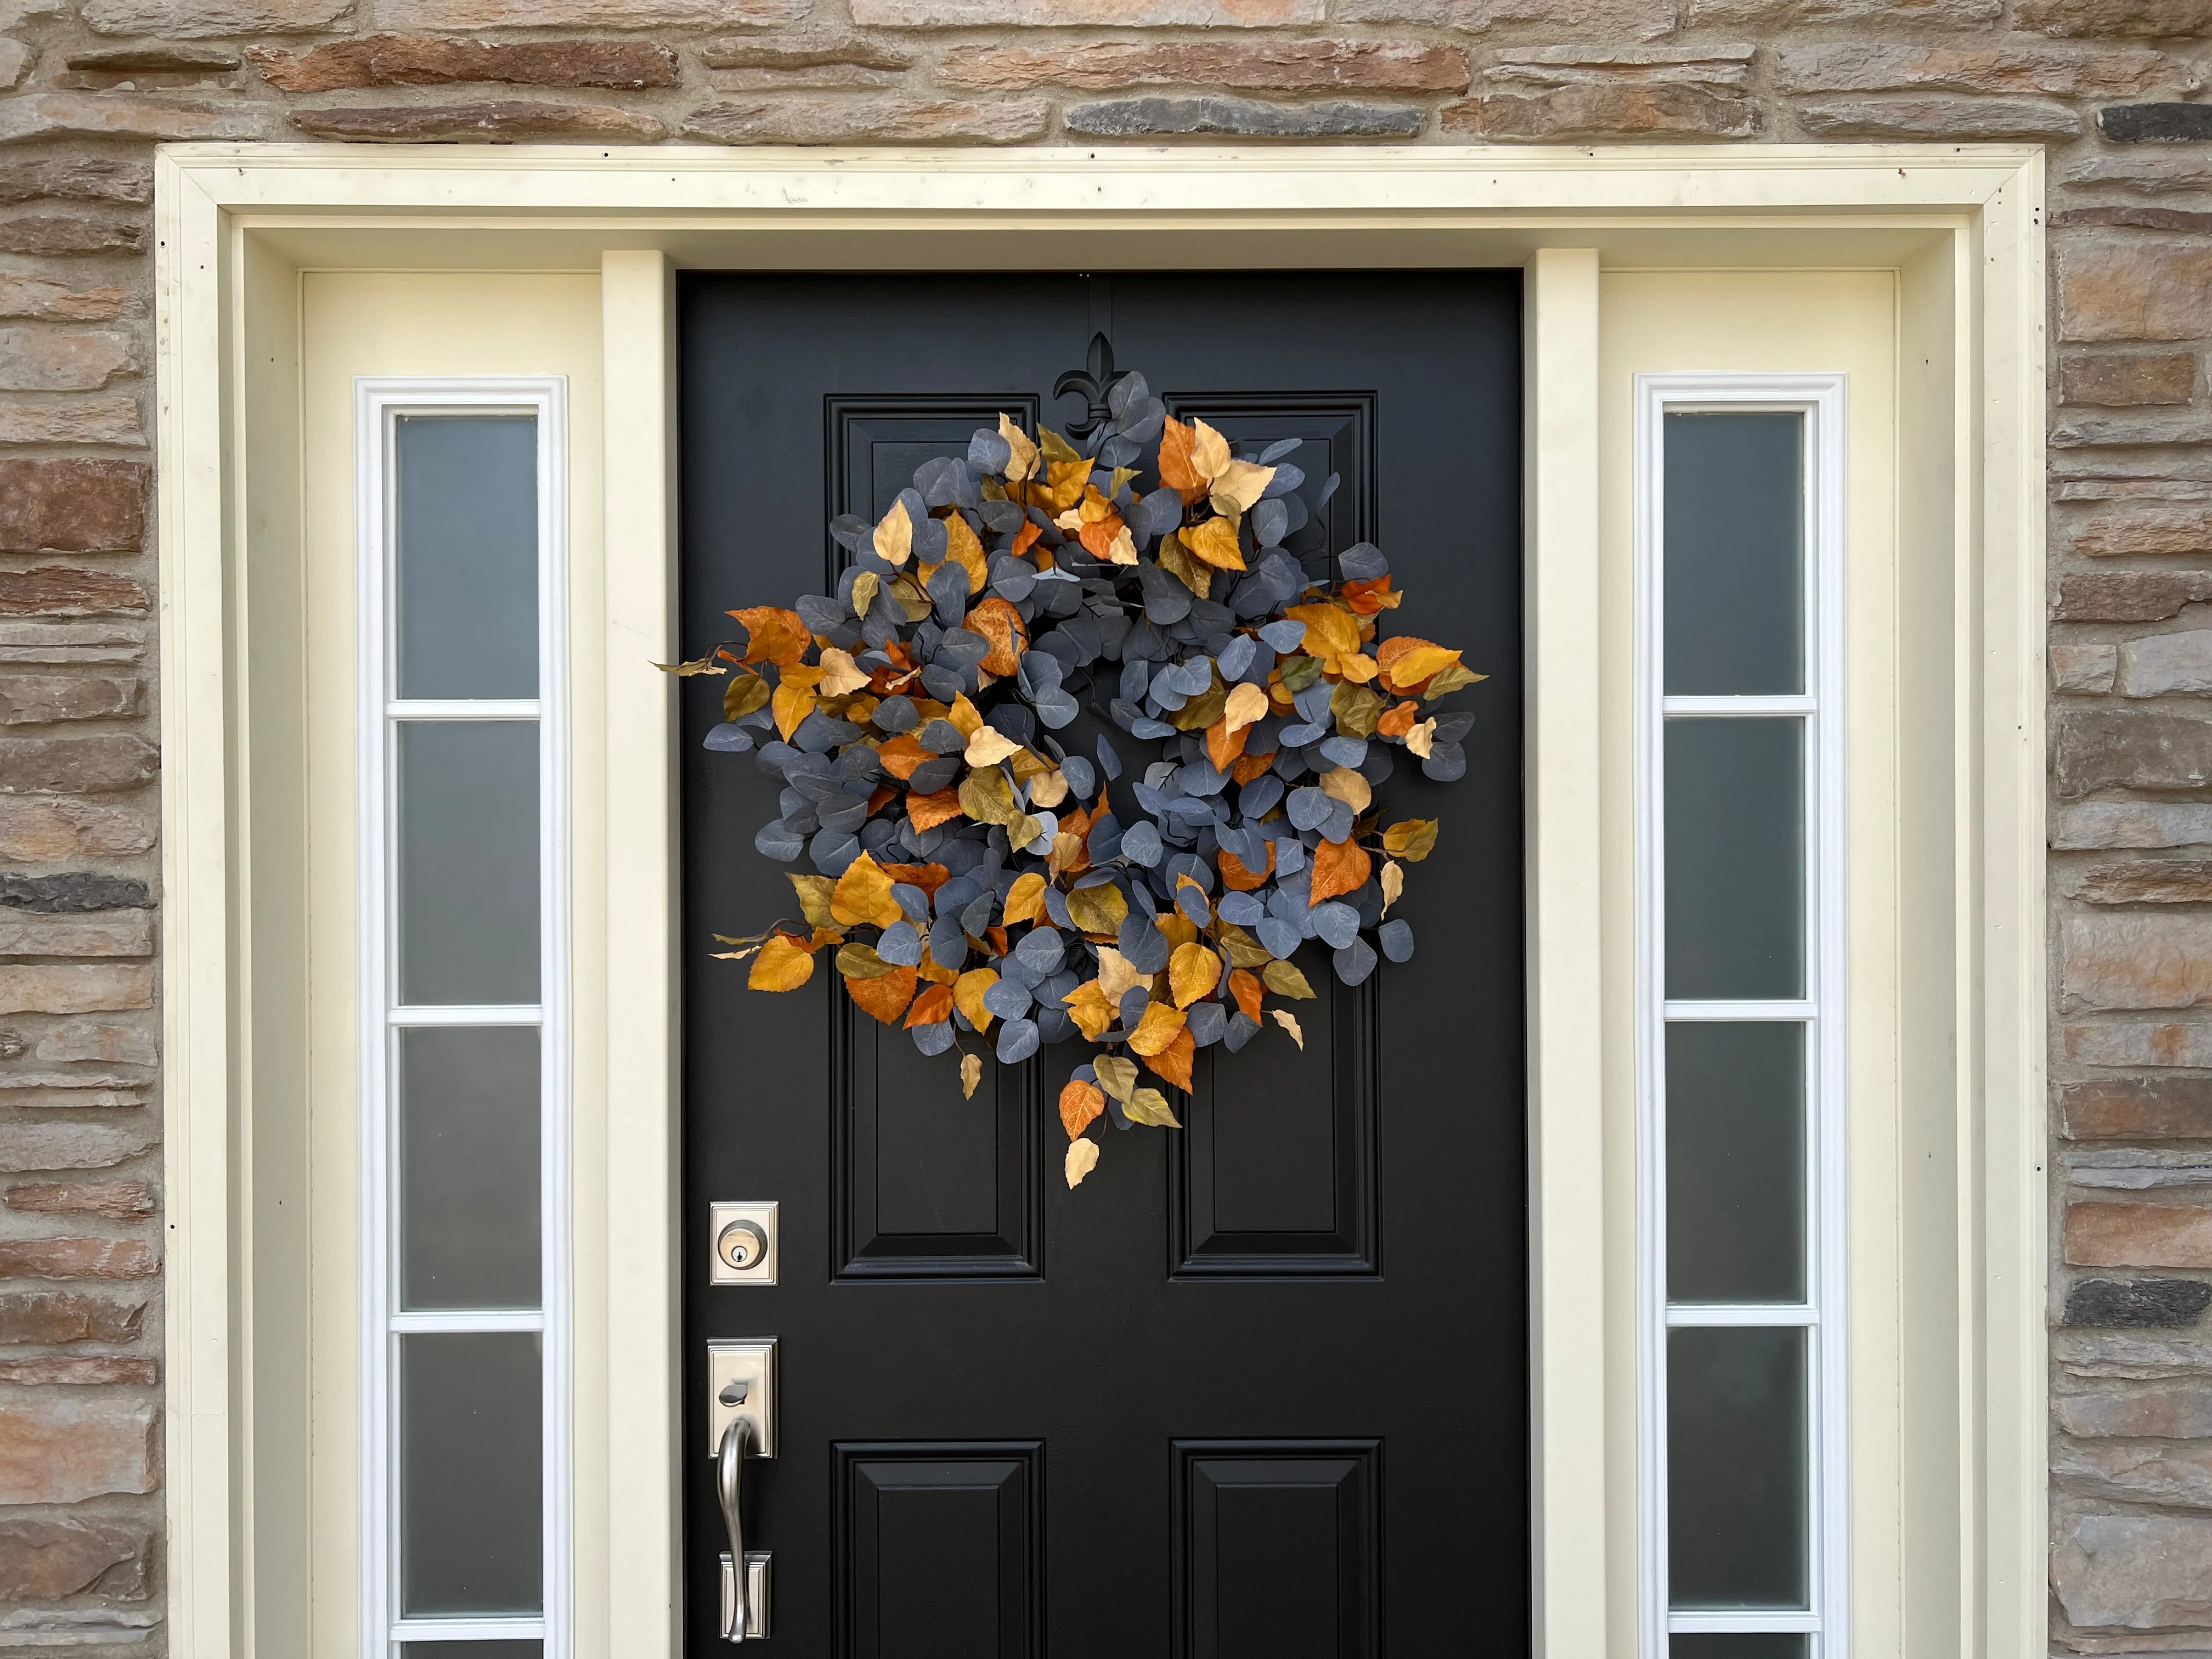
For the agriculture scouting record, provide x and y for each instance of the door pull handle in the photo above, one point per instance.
(744, 1595)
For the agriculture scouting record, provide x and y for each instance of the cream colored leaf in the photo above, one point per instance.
(1082, 1159)
(1394, 884)
(1289, 1022)
(1122, 550)
(1070, 521)
(840, 673)
(1049, 790)
(971, 1073)
(989, 746)
(1247, 703)
(1422, 739)
(1240, 483)
(1209, 450)
(1117, 976)
(1347, 786)
(1117, 1076)
(1025, 462)
(894, 538)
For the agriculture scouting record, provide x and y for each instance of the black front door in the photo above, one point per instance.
(1257, 1389)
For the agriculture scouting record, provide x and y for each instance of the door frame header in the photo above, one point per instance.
(236, 224)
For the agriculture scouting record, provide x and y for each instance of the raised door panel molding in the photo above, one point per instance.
(939, 1550)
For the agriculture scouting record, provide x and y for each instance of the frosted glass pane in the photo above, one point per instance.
(468, 861)
(472, 1487)
(467, 542)
(1734, 554)
(1736, 1468)
(469, 1115)
(1735, 858)
(1739, 1645)
(1735, 1162)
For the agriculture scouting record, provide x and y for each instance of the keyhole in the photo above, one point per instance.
(742, 1244)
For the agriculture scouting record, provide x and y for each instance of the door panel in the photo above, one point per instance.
(1276, 1362)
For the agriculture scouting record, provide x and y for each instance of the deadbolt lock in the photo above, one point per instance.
(744, 1244)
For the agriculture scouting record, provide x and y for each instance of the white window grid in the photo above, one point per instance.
(380, 402)
(1819, 399)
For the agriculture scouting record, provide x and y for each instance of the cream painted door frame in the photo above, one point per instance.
(1958, 225)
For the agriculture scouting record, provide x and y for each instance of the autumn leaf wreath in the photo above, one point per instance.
(973, 873)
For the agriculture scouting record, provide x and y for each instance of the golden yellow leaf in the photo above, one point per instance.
(1239, 485)
(794, 703)
(1025, 899)
(1285, 981)
(894, 537)
(1117, 1076)
(1173, 1062)
(1193, 972)
(1067, 854)
(1082, 1159)
(863, 894)
(1209, 450)
(744, 693)
(782, 965)
(773, 635)
(911, 597)
(1063, 485)
(968, 995)
(1406, 662)
(1422, 739)
(989, 746)
(1024, 461)
(1411, 839)
(1179, 929)
(814, 898)
(967, 719)
(971, 1073)
(840, 673)
(859, 961)
(1215, 542)
(1331, 630)
(1450, 680)
(1357, 666)
(1049, 790)
(1343, 783)
(1024, 830)
(1057, 448)
(1394, 883)
(1080, 1105)
(1100, 909)
(1088, 1007)
(1289, 1022)
(1117, 975)
(1157, 1029)
(866, 587)
(1150, 1106)
(963, 547)
(987, 798)
(1339, 866)
(1247, 703)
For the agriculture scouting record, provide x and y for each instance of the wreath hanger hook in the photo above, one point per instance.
(1094, 381)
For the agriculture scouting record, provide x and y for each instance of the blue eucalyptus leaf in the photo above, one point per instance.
(1053, 1025)
(1082, 781)
(989, 452)
(1284, 636)
(1017, 1040)
(1287, 478)
(948, 943)
(1056, 708)
(1297, 737)
(1108, 762)
(1237, 656)
(934, 1039)
(900, 945)
(1378, 765)
(1192, 904)
(1336, 923)
(1309, 808)
(1142, 942)
(1342, 751)
(729, 738)
(1258, 798)
(1055, 906)
(1007, 998)
(832, 850)
(1446, 763)
(1355, 961)
(1363, 564)
(941, 737)
(1151, 729)
(933, 775)
(895, 714)
(777, 841)
(939, 480)
(1242, 909)
(851, 532)
(1041, 951)
(1395, 936)
(1132, 1005)
(911, 901)
(1281, 937)
(1207, 1022)
(979, 914)
(1341, 820)
(1166, 599)
(1271, 522)
(1312, 703)
(1242, 1028)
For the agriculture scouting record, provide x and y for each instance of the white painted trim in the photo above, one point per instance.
(379, 401)
(231, 216)
(1821, 399)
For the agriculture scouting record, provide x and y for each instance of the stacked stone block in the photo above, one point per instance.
(2114, 87)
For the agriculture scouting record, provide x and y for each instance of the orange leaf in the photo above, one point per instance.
(928, 811)
(1098, 538)
(1237, 879)
(880, 796)
(1369, 597)
(1176, 470)
(1245, 987)
(1222, 746)
(886, 995)
(1080, 1104)
(1249, 767)
(1025, 538)
(933, 1007)
(1173, 1062)
(1000, 623)
(927, 877)
(773, 635)
(1396, 722)
(782, 965)
(1339, 866)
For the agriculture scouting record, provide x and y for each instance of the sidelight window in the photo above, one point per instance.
(1740, 976)
(464, 1038)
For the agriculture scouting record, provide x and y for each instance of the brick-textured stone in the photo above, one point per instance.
(65, 235)
(2162, 531)
(499, 119)
(37, 359)
(2141, 19)
(426, 17)
(2133, 748)
(114, 933)
(1112, 14)
(1875, 66)
(2164, 881)
(413, 60)
(2084, 668)
(77, 1258)
(1634, 109)
(2135, 1571)
(850, 121)
(70, 421)
(1264, 64)
(74, 987)
(2130, 959)
(65, 1447)
(71, 890)
(46, 829)
(2163, 664)
(186, 20)
(2131, 1471)
(1243, 117)
(2136, 1304)
(53, 1318)
(2106, 1235)
(2133, 290)
(1938, 118)
(67, 114)
(76, 644)
(2137, 124)
(43, 297)
(82, 1371)
(87, 765)
(46, 1559)
(99, 177)
(122, 1201)
(58, 590)
(2141, 1107)
(71, 506)
(2127, 379)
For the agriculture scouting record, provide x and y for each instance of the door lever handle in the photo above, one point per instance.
(739, 1620)
(741, 1374)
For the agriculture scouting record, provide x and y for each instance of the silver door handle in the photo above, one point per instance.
(744, 1594)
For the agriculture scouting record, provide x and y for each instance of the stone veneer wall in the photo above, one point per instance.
(2113, 87)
